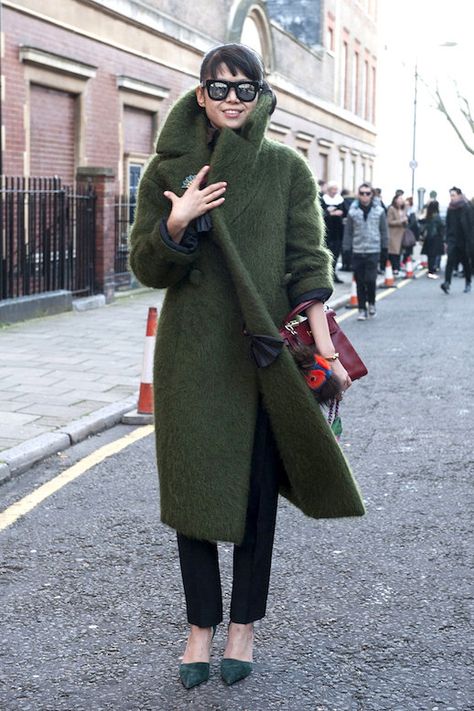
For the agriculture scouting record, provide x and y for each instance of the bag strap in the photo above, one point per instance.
(303, 306)
(298, 309)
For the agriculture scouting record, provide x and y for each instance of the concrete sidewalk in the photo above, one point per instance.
(65, 377)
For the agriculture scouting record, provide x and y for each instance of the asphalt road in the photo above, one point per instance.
(364, 615)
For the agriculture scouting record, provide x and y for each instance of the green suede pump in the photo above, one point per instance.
(233, 670)
(195, 673)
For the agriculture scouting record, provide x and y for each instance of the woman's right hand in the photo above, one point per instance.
(194, 203)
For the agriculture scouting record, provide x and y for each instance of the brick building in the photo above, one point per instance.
(87, 83)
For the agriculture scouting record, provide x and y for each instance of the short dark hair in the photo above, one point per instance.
(366, 185)
(238, 58)
(454, 189)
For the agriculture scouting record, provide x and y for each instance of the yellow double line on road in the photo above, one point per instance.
(29, 502)
(22, 507)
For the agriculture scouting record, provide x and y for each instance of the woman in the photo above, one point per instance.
(433, 235)
(228, 221)
(413, 226)
(334, 212)
(397, 221)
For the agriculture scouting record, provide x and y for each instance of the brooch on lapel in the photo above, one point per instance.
(187, 181)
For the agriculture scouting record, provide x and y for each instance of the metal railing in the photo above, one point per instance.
(124, 215)
(47, 237)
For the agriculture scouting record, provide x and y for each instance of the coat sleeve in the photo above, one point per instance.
(153, 260)
(307, 259)
(348, 234)
(383, 230)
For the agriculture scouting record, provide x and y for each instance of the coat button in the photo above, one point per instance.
(195, 277)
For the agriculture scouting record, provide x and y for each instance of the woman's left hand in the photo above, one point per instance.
(341, 373)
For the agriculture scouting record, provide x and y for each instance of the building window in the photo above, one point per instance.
(355, 83)
(354, 175)
(342, 171)
(254, 31)
(374, 79)
(138, 132)
(303, 150)
(366, 90)
(330, 33)
(344, 87)
(323, 172)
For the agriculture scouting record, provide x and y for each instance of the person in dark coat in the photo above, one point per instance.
(346, 265)
(432, 233)
(230, 223)
(459, 238)
(334, 212)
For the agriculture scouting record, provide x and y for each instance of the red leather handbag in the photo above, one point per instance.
(295, 331)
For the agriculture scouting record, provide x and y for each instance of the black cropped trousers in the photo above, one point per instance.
(251, 560)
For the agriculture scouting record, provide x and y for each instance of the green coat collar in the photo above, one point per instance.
(183, 141)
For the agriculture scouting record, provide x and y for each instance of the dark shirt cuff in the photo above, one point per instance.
(188, 244)
(314, 295)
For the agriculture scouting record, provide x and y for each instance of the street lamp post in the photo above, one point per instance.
(413, 163)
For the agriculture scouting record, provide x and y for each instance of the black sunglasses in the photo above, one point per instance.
(364, 192)
(244, 90)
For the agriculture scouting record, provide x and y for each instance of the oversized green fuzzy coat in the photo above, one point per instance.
(264, 251)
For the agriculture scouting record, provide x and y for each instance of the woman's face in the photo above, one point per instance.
(229, 112)
(400, 201)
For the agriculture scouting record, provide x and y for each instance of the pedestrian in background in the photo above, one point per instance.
(397, 221)
(432, 233)
(334, 212)
(223, 215)
(366, 234)
(459, 238)
(378, 197)
(414, 228)
(348, 198)
(384, 251)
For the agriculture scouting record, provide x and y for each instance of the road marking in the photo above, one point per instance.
(29, 502)
(380, 296)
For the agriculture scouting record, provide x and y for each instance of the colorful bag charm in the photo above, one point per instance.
(334, 419)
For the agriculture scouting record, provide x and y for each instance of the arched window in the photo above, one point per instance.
(251, 35)
(249, 24)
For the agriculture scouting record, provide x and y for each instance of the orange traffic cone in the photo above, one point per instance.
(389, 280)
(353, 301)
(409, 274)
(145, 396)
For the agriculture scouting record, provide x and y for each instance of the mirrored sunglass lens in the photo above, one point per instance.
(246, 92)
(217, 90)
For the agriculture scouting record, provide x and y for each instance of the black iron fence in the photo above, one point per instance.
(124, 214)
(47, 237)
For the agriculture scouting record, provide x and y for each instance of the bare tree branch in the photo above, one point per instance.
(465, 109)
(466, 112)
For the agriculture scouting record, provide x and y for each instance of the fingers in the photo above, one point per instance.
(213, 194)
(209, 189)
(171, 196)
(215, 203)
(200, 176)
